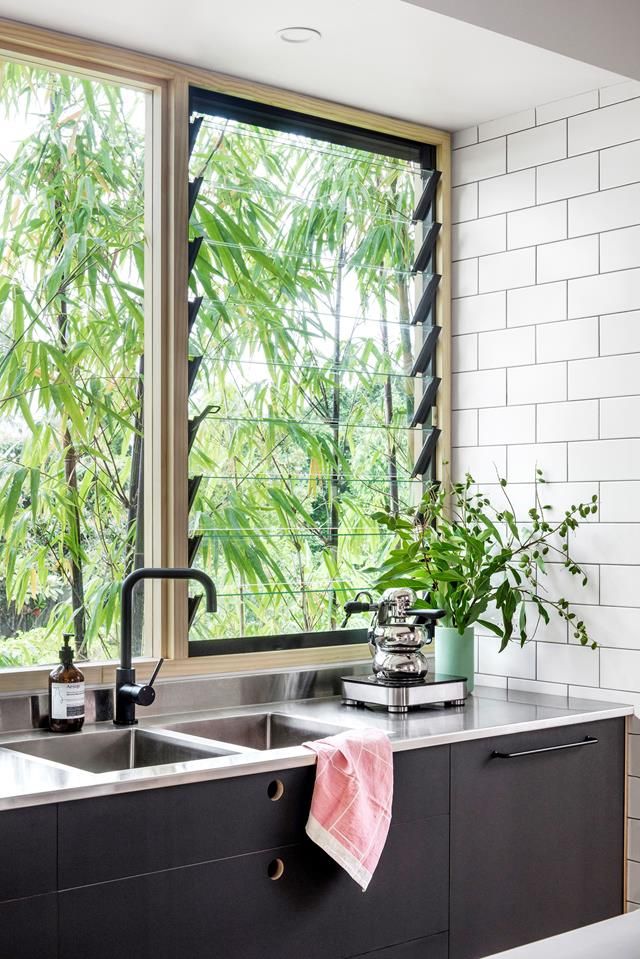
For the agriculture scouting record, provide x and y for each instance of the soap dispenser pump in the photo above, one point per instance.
(66, 693)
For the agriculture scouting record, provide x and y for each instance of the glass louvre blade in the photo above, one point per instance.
(424, 204)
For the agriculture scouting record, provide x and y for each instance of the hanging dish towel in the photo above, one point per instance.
(351, 806)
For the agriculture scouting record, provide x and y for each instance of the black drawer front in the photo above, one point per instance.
(231, 909)
(28, 840)
(164, 828)
(435, 947)
(536, 840)
(421, 783)
(183, 825)
(29, 928)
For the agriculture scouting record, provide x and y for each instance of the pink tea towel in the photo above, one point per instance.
(351, 806)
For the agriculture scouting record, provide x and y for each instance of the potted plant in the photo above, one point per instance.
(462, 553)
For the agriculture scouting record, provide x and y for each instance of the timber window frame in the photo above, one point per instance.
(166, 318)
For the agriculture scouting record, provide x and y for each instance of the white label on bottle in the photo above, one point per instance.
(67, 700)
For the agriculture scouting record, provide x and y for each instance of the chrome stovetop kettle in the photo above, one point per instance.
(397, 633)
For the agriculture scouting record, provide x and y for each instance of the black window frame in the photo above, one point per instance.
(202, 101)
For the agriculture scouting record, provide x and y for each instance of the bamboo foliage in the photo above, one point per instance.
(71, 333)
(304, 274)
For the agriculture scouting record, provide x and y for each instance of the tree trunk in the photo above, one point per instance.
(134, 557)
(392, 454)
(73, 546)
(334, 481)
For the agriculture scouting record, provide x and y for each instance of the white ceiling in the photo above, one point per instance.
(383, 55)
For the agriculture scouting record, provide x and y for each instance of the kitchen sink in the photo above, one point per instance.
(117, 749)
(258, 730)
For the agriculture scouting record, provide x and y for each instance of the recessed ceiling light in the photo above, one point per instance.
(299, 34)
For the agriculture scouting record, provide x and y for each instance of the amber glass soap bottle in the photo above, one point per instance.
(66, 693)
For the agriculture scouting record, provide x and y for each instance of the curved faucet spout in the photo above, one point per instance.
(155, 572)
(128, 692)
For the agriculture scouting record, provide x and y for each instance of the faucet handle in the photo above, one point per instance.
(146, 693)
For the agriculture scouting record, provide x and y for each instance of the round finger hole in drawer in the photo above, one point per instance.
(275, 790)
(275, 869)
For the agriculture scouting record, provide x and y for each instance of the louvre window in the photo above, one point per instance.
(311, 374)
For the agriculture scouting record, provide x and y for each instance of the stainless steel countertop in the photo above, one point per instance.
(26, 780)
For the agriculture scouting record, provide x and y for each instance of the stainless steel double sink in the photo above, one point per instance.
(115, 750)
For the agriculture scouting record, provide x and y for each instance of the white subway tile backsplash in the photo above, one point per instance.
(515, 660)
(634, 824)
(620, 417)
(537, 304)
(478, 389)
(568, 340)
(493, 682)
(477, 237)
(562, 584)
(515, 347)
(570, 258)
(566, 178)
(611, 626)
(464, 138)
(503, 193)
(523, 461)
(507, 424)
(504, 271)
(559, 663)
(540, 383)
(610, 293)
(620, 502)
(568, 107)
(604, 128)
(464, 278)
(634, 798)
(464, 428)
(607, 210)
(620, 333)
(540, 224)
(619, 165)
(464, 353)
(607, 543)
(540, 145)
(535, 688)
(620, 586)
(464, 202)
(475, 314)
(604, 460)
(576, 420)
(619, 92)
(633, 880)
(484, 463)
(509, 124)
(547, 362)
(620, 669)
(620, 249)
(604, 376)
(480, 161)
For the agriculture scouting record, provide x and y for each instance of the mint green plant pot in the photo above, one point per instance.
(455, 653)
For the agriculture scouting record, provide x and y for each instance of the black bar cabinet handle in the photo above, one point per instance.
(587, 741)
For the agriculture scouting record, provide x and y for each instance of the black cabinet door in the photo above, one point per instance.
(183, 825)
(29, 928)
(435, 947)
(28, 850)
(536, 840)
(232, 909)
(160, 829)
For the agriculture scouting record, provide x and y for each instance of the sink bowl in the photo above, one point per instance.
(257, 730)
(116, 749)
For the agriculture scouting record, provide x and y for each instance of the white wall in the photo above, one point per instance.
(546, 361)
